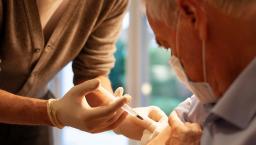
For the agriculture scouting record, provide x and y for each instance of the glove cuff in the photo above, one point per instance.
(52, 114)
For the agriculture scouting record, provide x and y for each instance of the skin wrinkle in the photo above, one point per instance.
(232, 64)
(193, 42)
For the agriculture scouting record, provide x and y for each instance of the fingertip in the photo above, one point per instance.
(171, 119)
(175, 122)
(129, 98)
(119, 92)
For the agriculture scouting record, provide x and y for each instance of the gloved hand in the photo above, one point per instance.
(73, 110)
(133, 127)
(183, 133)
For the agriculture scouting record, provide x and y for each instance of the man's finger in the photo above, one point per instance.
(195, 127)
(157, 114)
(174, 120)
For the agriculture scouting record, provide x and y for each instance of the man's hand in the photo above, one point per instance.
(161, 138)
(183, 133)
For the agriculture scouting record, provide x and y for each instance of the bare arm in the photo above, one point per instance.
(22, 110)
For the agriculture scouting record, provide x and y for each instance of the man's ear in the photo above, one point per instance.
(194, 10)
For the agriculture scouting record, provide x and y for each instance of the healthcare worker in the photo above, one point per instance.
(214, 54)
(38, 38)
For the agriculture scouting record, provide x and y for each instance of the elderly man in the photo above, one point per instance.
(213, 53)
(38, 38)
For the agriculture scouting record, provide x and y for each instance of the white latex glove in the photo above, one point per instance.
(133, 127)
(73, 110)
(149, 135)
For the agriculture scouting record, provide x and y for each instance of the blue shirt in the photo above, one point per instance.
(232, 120)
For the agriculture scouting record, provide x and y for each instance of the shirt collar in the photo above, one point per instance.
(238, 105)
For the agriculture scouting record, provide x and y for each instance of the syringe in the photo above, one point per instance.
(125, 107)
(129, 109)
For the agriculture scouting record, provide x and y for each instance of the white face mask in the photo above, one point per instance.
(201, 89)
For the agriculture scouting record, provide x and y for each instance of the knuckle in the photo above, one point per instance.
(175, 129)
(184, 131)
(189, 132)
(198, 133)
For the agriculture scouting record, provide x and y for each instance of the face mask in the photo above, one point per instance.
(201, 89)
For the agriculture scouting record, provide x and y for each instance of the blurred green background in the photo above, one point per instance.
(167, 92)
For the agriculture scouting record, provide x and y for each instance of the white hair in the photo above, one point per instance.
(164, 10)
(232, 7)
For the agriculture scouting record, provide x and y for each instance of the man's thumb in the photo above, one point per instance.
(174, 120)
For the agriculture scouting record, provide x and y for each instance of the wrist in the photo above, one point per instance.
(52, 114)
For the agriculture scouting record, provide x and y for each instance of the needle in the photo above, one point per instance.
(130, 110)
(126, 107)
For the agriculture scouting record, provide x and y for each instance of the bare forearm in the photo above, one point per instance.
(22, 110)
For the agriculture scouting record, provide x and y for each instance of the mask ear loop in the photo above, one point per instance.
(203, 49)
(177, 34)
